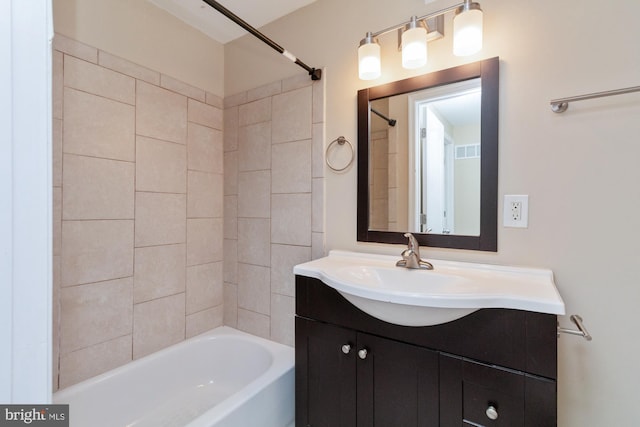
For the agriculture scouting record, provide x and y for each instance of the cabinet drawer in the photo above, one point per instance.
(492, 396)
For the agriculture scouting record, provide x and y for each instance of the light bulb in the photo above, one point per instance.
(467, 31)
(414, 46)
(369, 59)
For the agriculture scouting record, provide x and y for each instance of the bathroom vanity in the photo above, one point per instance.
(492, 367)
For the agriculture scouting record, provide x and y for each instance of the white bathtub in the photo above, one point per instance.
(223, 378)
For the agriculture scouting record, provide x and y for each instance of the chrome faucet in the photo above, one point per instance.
(411, 255)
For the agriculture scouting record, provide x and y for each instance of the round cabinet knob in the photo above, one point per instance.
(346, 348)
(492, 413)
(362, 354)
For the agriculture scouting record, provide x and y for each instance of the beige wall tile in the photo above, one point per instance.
(57, 221)
(254, 112)
(283, 259)
(161, 166)
(230, 173)
(231, 305)
(292, 116)
(231, 129)
(204, 198)
(159, 272)
(204, 114)
(230, 269)
(56, 152)
(57, 85)
(254, 147)
(95, 313)
(291, 219)
(318, 151)
(96, 188)
(182, 88)
(204, 240)
(296, 82)
(214, 100)
(160, 113)
(96, 250)
(254, 194)
(160, 219)
(94, 360)
(283, 310)
(318, 101)
(231, 217)
(291, 167)
(317, 205)
(55, 322)
(317, 245)
(202, 321)
(254, 323)
(97, 126)
(254, 288)
(75, 48)
(269, 89)
(254, 241)
(123, 66)
(158, 324)
(204, 287)
(205, 149)
(88, 77)
(235, 100)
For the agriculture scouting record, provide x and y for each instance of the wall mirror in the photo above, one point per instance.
(428, 158)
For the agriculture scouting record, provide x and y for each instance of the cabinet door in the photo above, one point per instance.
(397, 384)
(325, 375)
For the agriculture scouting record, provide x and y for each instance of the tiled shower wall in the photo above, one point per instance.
(379, 179)
(273, 191)
(138, 217)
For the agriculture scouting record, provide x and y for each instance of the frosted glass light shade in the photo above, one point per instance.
(369, 61)
(467, 32)
(414, 48)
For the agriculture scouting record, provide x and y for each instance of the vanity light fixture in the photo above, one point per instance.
(467, 39)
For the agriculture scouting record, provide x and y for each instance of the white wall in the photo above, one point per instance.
(146, 35)
(25, 211)
(579, 169)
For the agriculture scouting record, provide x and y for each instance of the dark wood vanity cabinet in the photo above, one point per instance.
(494, 367)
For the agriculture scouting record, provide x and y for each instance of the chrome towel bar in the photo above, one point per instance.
(560, 105)
(582, 331)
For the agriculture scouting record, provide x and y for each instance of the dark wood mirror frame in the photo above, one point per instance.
(488, 70)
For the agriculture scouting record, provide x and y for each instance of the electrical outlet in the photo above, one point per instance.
(516, 211)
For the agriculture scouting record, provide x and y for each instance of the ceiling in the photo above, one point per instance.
(203, 17)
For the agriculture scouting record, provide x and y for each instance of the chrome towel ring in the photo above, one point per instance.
(341, 140)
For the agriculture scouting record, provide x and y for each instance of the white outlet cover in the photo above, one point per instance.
(507, 218)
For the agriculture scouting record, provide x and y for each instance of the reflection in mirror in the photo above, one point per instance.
(428, 158)
(440, 167)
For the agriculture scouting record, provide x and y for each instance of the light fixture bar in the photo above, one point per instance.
(420, 18)
(315, 73)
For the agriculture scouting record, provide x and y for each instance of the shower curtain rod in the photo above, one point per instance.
(392, 122)
(315, 73)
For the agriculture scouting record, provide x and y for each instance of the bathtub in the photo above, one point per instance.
(222, 378)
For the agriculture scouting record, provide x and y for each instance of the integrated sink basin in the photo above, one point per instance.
(429, 297)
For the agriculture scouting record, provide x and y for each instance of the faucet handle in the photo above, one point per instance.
(413, 243)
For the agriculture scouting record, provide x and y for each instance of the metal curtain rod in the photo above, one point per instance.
(560, 105)
(315, 73)
(392, 122)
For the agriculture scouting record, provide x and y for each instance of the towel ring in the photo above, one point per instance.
(340, 140)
